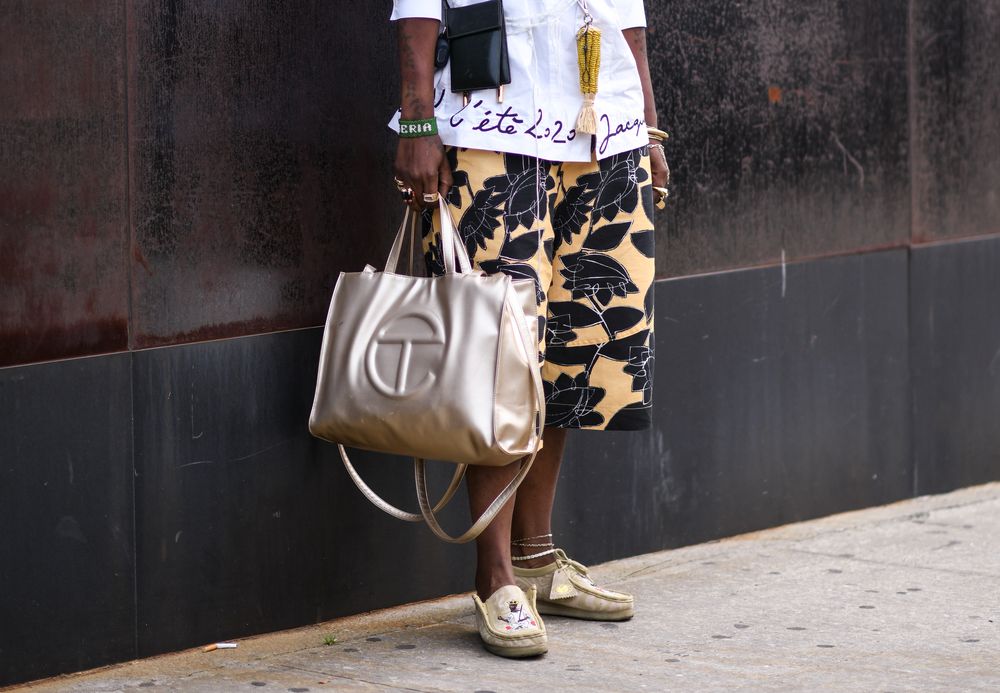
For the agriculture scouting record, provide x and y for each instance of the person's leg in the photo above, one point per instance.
(498, 230)
(532, 515)
(493, 566)
(529, 514)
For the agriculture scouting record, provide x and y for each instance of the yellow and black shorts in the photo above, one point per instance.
(584, 233)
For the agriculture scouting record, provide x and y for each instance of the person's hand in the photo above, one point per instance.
(660, 170)
(423, 167)
(658, 165)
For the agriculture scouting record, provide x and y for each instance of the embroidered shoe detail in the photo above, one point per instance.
(518, 617)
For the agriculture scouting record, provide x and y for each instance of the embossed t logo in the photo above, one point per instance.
(407, 330)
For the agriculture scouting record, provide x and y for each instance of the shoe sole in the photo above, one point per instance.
(548, 609)
(517, 652)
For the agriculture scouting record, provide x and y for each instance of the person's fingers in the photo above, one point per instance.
(401, 171)
(445, 180)
(428, 186)
(659, 177)
(431, 183)
(404, 191)
(421, 183)
(420, 164)
(658, 167)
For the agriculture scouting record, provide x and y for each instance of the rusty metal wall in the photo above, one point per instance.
(955, 118)
(789, 123)
(259, 161)
(63, 229)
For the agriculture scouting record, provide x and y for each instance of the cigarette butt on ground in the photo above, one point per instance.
(220, 646)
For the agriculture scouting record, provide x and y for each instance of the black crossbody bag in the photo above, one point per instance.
(475, 40)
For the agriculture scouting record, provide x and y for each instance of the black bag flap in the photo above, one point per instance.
(475, 19)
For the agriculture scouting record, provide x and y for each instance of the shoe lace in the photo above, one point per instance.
(564, 561)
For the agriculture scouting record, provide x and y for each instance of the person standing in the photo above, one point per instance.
(537, 197)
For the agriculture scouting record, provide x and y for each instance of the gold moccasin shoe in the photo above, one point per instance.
(566, 589)
(509, 624)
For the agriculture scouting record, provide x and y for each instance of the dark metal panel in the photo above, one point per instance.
(777, 399)
(956, 130)
(246, 524)
(789, 129)
(63, 238)
(67, 593)
(956, 364)
(261, 161)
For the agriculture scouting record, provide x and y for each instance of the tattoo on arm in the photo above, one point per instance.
(416, 66)
(636, 39)
(637, 42)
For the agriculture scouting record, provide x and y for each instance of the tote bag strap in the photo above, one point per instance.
(419, 466)
(452, 248)
(386, 506)
(407, 227)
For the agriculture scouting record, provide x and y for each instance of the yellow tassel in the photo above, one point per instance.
(586, 122)
(588, 54)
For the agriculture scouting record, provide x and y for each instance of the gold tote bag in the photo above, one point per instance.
(434, 368)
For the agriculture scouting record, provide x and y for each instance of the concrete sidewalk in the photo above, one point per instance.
(903, 597)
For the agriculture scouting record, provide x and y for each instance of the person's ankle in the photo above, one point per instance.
(539, 562)
(489, 581)
(536, 551)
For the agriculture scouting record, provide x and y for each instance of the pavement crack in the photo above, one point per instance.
(947, 546)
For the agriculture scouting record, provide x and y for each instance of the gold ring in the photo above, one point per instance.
(661, 199)
(431, 197)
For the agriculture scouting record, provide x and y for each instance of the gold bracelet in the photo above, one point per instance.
(657, 134)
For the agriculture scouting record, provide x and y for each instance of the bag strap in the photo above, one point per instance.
(452, 247)
(386, 506)
(529, 350)
(428, 514)
(407, 227)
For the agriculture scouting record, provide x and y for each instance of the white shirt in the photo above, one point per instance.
(541, 104)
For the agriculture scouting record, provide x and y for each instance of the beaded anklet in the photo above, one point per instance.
(526, 543)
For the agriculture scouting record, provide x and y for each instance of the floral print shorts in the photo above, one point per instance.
(584, 233)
